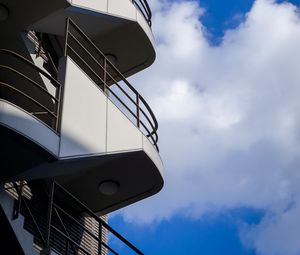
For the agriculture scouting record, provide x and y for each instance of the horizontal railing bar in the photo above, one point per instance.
(30, 98)
(84, 228)
(30, 80)
(31, 65)
(70, 239)
(91, 213)
(151, 137)
(76, 221)
(117, 84)
(140, 96)
(145, 10)
(144, 6)
(74, 52)
(150, 122)
(109, 63)
(114, 94)
(64, 227)
(142, 11)
(39, 113)
(153, 123)
(85, 36)
(96, 61)
(109, 248)
(110, 229)
(80, 44)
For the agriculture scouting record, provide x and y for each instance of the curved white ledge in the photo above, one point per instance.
(27, 125)
(92, 124)
(116, 26)
(119, 8)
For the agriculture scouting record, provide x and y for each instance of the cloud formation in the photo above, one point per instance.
(229, 120)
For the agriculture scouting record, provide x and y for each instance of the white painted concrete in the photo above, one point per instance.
(91, 4)
(24, 123)
(145, 26)
(153, 154)
(83, 124)
(122, 135)
(92, 124)
(122, 8)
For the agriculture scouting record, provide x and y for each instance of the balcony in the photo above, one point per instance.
(50, 220)
(119, 27)
(89, 127)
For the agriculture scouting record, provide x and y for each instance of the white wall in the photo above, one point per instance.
(83, 125)
(91, 123)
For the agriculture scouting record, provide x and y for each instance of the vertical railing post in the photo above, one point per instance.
(138, 110)
(58, 108)
(49, 215)
(17, 206)
(66, 36)
(104, 75)
(100, 238)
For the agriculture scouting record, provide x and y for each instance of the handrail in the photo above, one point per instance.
(26, 61)
(28, 97)
(97, 218)
(144, 8)
(21, 200)
(141, 106)
(55, 99)
(62, 227)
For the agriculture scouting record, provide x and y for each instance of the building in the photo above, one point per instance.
(78, 141)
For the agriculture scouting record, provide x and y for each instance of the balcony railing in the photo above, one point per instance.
(144, 8)
(110, 80)
(55, 226)
(21, 84)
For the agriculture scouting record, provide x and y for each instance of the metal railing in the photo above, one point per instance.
(63, 226)
(144, 8)
(110, 80)
(43, 100)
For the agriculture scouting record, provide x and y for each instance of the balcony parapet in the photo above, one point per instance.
(104, 130)
(22, 84)
(110, 80)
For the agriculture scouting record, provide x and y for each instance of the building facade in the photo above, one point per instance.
(78, 141)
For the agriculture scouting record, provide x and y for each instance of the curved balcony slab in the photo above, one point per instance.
(117, 27)
(97, 143)
(25, 141)
(22, 122)
(94, 128)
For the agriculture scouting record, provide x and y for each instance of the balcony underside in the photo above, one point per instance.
(120, 31)
(19, 154)
(138, 172)
(123, 37)
(135, 172)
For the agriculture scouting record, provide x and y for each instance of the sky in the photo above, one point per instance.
(225, 89)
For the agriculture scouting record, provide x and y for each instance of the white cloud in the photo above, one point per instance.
(229, 120)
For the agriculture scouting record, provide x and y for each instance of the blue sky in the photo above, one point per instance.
(216, 234)
(231, 172)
